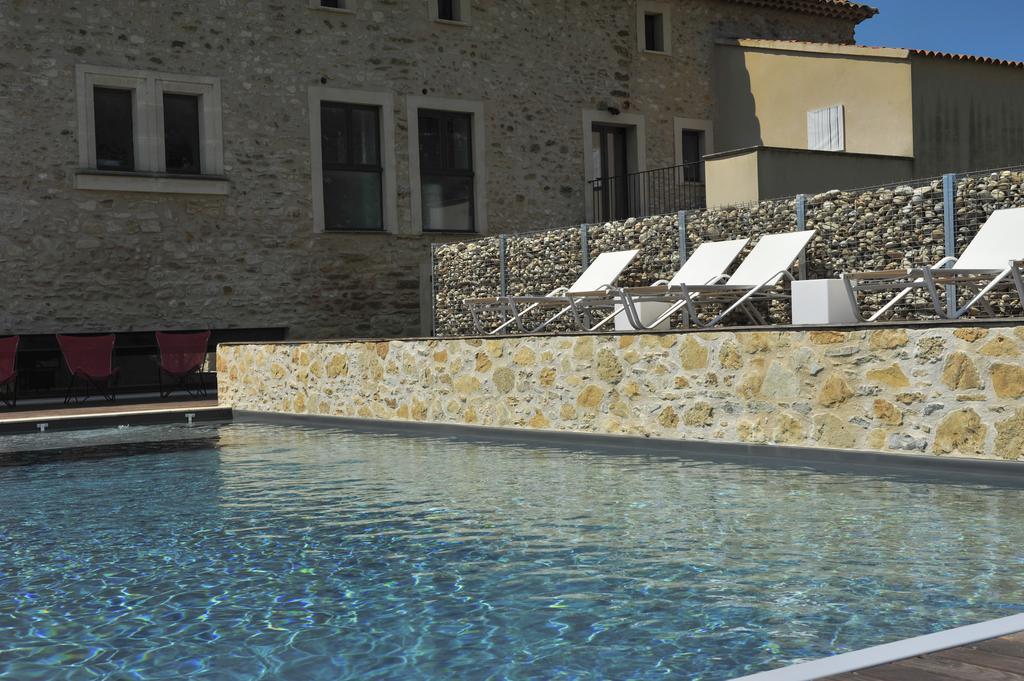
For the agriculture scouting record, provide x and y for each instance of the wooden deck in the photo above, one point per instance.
(999, 659)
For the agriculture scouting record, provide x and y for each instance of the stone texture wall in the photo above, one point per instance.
(98, 260)
(936, 391)
(892, 227)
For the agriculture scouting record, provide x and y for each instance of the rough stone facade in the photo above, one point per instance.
(77, 260)
(940, 391)
(892, 227)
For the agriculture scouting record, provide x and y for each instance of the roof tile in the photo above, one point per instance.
(843, 9)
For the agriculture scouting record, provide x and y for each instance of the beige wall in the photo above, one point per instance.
(732, 179)
(967, 115)
(766, 173)
(763, 94)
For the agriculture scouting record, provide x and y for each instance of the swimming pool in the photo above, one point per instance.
(248, 551)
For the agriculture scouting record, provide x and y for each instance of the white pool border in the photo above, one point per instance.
(892, 652)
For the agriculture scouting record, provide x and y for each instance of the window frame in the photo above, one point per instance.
(469, 173)
(384, 102)
(703, 125)
(463, 11)
(132, 96)
(315, 4)
(478, 153)
(150, 172)
(377, 169)
(652, 7)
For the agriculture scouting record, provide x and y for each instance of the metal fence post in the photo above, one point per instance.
(949, 228)
(502, 265)
(801, 225)
(433, 291)
(682, 237)
(585, 244)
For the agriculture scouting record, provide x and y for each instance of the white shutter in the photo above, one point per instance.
(826, 129)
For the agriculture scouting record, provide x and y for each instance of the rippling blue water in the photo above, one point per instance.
(265, 552)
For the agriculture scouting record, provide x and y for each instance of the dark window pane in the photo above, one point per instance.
(115, 148)
(693, 152)
(352, 200)
(337, 4)
(448, 10)
(446, 141)
(181, 133)
(446, 170)
(365, 137)
(460, 143)
(447, 203)
(353, 175)
(334, 133)
(654, 37)
(431, 143)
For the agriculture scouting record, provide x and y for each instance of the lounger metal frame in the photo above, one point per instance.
(513, 310)
(772, 250)
(991, 262)
(932, 279)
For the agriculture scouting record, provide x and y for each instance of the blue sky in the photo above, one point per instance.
(991, 28)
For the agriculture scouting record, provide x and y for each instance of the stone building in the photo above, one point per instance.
(258, 164)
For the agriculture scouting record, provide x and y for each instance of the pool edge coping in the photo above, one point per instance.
(141, 417)
(651, 445)
(896, 651)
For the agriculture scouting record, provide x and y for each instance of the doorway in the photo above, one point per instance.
(610, 171)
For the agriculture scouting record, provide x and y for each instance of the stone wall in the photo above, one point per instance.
(892, 227)
(938, 391)
(86, 260)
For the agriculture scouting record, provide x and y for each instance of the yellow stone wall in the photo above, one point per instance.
(941, 391)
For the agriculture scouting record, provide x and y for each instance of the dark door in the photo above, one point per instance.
(611, 195)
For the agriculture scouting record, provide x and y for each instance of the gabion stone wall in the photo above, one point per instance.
(891, 227)
(463, 270)
(539, 263)
(657, 239)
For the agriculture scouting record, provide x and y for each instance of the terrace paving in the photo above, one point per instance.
(998, 659)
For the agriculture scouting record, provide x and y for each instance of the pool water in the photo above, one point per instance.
(253, 551)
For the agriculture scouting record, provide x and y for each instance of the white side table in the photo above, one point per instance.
(822, 301)
(647, 312)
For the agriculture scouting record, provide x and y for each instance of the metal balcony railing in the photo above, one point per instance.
(651, 192)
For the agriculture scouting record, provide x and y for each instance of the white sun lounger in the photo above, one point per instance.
(594, 282)
(759, 277)
(991, 261)
(707, 265)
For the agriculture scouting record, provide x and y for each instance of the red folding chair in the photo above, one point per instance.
(9, 370)
(181, 358)
(90, 361)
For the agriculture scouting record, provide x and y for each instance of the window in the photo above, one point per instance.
(695, 139)
(143, 125)
(446, 170)
(450, 11)
(826, 129)
(181, 134)
(654, 26)
(654, 32)
(352, 171)
(115, 145)
(692, 153)
(352, 162)
(343, 6)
